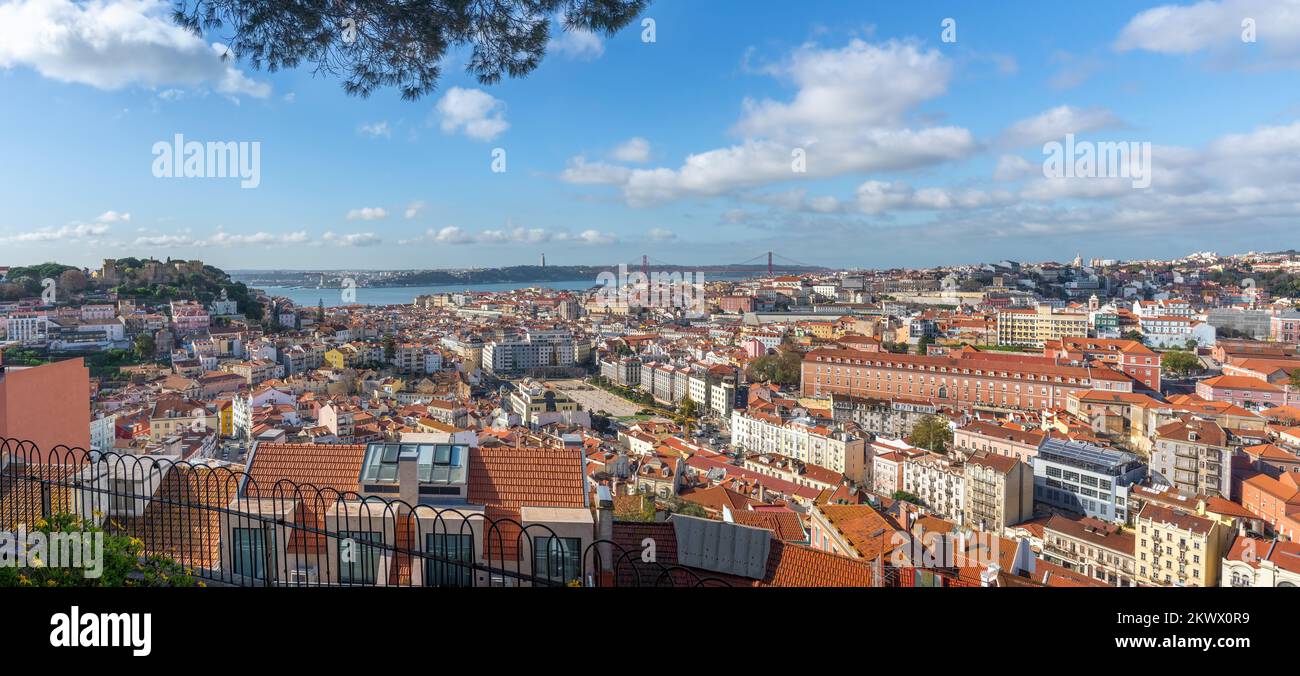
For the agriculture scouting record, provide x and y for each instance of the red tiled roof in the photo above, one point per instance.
(510, 477)
(787, 565)
(784, 523)
(505, 478)
(332, 466)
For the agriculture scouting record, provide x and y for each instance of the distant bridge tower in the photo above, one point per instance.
(543, 260)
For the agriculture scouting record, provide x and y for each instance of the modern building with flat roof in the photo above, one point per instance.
(1086, 479)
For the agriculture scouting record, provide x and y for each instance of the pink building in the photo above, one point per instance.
(189, 317)
(753, 348)
(1245, 392)
(48, 405)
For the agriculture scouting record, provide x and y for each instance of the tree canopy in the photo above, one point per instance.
(391, 43)
(931, 432)
(1180, 363)
(782, 368)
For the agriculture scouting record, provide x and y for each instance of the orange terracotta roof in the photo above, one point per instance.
(785, 524)
(510, 478)
(866, 530)
(332, 466)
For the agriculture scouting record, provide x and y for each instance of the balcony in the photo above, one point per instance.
(213, 520)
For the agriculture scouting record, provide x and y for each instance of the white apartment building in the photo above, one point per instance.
(534, 349)
(802, 439)
(410, 358)
(938, 481)
(102, 434)
(1169, 331)
(29, 328)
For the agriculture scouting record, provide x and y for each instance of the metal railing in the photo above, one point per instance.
(230, 529)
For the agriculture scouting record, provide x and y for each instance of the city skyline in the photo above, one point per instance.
(840, 136)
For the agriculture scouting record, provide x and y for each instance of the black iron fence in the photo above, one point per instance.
(221, 525)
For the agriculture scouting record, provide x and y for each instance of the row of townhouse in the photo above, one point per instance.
(1247, 392)
(1131, 357)
(712, 388)
(416, 358)
(961, 382)
(302, 357)
(893, 418)
(976, 489)
(803, 439)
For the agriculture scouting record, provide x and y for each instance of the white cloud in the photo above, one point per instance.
(262, 238)
(473, 112)
(661, 235)
(67, 233)
(1054, 124)
(578, 44)
(635, 149)
(451, 235)
(368, 214)
(376, 130)
(848, 116)
(115, 44)
(454, 235)
(164, 242)
(842, 90)
(1014, 168)
(356, 239)
(413, 209)
(1210, 25)
(595, 237)
(111, 216)
(758, 163)
(582, 172)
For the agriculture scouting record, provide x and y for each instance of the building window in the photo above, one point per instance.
(251, 553)
(454, 571)
(358, 556)
(558, 559)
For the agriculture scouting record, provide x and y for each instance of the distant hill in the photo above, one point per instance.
(512, 274)
(147, 280)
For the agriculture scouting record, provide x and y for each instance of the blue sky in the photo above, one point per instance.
(916, 151)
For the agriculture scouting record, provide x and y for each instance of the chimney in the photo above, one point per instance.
(605, 527)
(408, 476)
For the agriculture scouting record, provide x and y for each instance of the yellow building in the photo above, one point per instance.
(1039, 325)
(226, 418)
(343, 356)
(1176, 548)
(824, 330)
